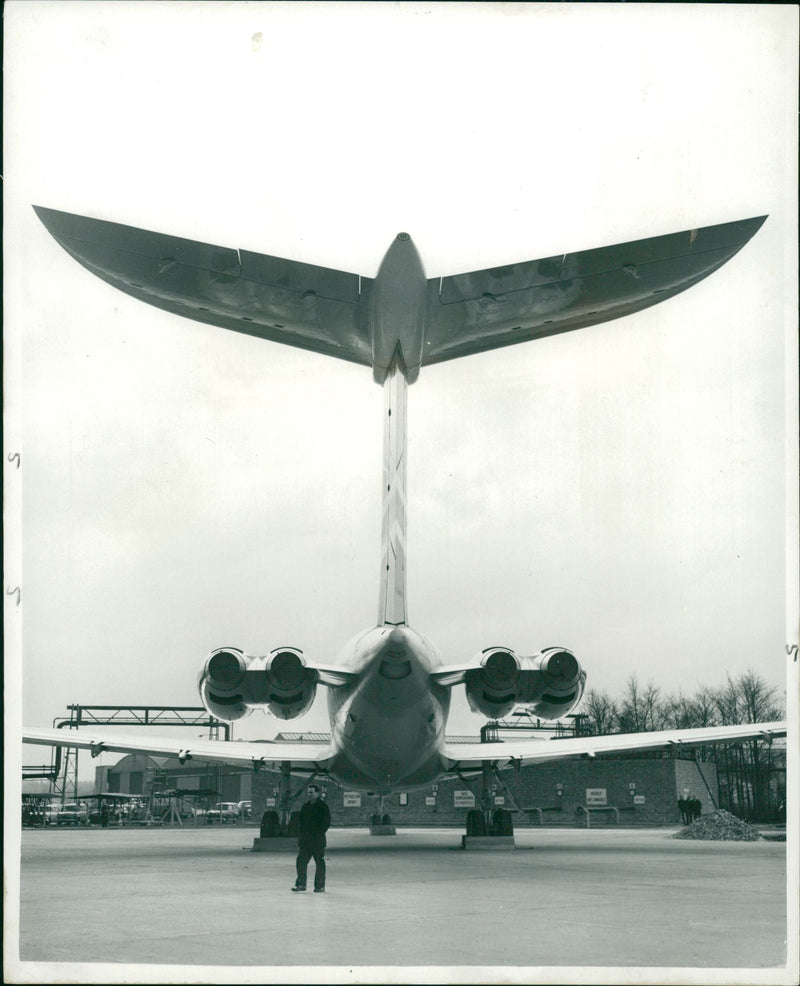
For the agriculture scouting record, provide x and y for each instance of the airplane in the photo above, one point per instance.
(388, 689)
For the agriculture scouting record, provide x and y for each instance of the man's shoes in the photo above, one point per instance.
(319, 890)
(298, 890)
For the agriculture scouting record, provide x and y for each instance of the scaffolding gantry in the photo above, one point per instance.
(63, 772)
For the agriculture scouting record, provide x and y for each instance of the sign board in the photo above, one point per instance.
(270, 802)
(638, 799)
(352, 799)
(499, 799)
(596, 796)
(430, 801)
(403, 799)
(463, 799)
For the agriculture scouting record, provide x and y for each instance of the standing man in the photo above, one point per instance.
(315, 820)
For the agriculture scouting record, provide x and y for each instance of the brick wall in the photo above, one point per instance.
(659, 782)
(690, 776)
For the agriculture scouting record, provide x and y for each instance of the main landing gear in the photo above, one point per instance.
(279, 828)
(490, 826)
(381, 823)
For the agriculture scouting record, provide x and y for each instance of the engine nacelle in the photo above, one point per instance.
(291, 686)
(232, 684)
(221, 683)
(550, 684)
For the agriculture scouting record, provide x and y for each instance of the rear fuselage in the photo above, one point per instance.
(388, 726)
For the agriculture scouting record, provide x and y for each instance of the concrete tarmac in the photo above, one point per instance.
(564, 898)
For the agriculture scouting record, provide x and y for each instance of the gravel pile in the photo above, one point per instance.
(720, 825)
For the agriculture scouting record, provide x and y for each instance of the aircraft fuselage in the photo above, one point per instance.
(388, 726)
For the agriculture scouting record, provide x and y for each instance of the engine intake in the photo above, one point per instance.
(550, 684)
(291, 686)
(232, 684)
(225, 670)
(221, 684)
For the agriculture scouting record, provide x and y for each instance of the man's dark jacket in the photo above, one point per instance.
(315, 820)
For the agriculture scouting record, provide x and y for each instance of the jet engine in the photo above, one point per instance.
(550, 684)
(221, 684)
(232, 683)
(291, 686)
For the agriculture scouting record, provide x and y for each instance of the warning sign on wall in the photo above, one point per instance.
(596, 796)
(463, 799)
(352, 799)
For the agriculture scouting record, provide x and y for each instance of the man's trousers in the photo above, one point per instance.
(309, 848)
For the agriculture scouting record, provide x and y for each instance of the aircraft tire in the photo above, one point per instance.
(270, 824)
(502, 822)
(475, 822)
(386, 820)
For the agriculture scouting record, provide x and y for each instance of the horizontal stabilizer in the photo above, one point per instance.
(464, 755)
(331, 312)
(314, 308)
(501, 306)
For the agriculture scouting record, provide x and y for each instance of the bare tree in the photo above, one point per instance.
(704, 708)
(745, 769)
(602, 712)
(678, 712)
(640, 709)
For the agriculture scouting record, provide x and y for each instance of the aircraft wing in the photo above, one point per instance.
(246, 753)
(526, 751)
(500, 306)
(314, 308)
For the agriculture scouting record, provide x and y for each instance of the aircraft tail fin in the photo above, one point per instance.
(392, 596)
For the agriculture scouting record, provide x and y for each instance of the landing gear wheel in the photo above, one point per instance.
(476, 824)
(502, 822)
(270, 825)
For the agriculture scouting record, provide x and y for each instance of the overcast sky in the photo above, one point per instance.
(621, 490)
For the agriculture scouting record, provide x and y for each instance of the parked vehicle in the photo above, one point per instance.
(223, 811)
(114, 815)
(73, 813)
(33, 813)
(245, 809)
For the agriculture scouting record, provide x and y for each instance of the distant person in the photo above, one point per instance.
(315, 820)
(104, 815)
(683, 808)
(695, 809)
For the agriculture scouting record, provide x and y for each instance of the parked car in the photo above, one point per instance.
(114, 815)
(33, 813)
(223, 811)
(245, 809)
(73, 813)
